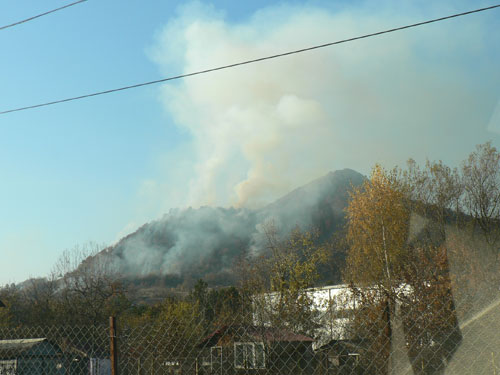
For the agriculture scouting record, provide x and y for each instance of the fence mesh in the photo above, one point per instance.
(345, 331)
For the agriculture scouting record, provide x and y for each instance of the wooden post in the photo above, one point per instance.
(387, 319)
(388, 330)
(113, 345)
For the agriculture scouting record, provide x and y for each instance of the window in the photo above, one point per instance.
(215, 356)
(8, 367)
(249, 355)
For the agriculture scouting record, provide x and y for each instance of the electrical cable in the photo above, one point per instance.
(40, 15)
(246, 62)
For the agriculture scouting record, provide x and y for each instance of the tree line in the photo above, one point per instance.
(421, 243)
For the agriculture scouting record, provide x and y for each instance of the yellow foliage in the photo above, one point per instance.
(377, 228)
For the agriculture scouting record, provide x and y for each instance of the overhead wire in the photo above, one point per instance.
(40, 15)
(246, 62)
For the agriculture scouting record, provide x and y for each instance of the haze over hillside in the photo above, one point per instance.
(206, 242)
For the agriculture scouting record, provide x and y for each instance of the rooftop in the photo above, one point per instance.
(260, 333)
(17, 347)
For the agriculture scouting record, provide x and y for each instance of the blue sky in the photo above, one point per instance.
(98, 168)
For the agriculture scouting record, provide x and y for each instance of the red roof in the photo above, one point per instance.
(261, 333)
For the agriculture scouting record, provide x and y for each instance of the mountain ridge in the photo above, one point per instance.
(185, 245)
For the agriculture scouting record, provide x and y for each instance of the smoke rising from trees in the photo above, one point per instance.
(208, 241)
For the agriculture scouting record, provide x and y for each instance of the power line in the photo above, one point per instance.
(246, 61)
(40, 15)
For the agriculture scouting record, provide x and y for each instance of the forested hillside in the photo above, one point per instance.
(208, 242)
(433, 228)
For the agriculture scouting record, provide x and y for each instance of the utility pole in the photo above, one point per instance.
(113, 345)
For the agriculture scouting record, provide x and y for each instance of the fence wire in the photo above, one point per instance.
(344, 331)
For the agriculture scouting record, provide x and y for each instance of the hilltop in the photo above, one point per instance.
(206, 242)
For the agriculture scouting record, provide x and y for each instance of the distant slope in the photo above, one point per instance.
(186, 245)
(319, 204)
(195, 243)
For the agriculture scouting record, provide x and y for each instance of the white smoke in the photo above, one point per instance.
(257, 131)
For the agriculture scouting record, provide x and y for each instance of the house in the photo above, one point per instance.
(31, 356)
(244, 349)
(336, 348)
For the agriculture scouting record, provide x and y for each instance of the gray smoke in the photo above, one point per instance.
(256, 132)
(209, 240)
(185, 239)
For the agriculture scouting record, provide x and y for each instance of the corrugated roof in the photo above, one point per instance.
(16, 347)
(20, 343)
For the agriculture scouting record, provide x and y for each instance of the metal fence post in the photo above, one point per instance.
(113, 345)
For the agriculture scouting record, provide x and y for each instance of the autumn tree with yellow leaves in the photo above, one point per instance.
(377, 231)
(392, 269)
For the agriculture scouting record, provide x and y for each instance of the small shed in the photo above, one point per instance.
(340, 357)
(30, 356)
(244, 349)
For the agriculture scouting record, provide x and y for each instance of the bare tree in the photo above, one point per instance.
(89, 285)
(277, 281)
(481, 180)
(40, 296)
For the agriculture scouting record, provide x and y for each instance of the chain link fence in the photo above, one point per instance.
(348, 331)
(54, 350)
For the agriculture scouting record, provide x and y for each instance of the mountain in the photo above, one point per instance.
(320, 204)
(185, 245)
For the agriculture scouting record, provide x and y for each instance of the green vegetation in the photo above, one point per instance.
(419, 244)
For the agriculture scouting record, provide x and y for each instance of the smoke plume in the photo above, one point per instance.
(257, 131)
